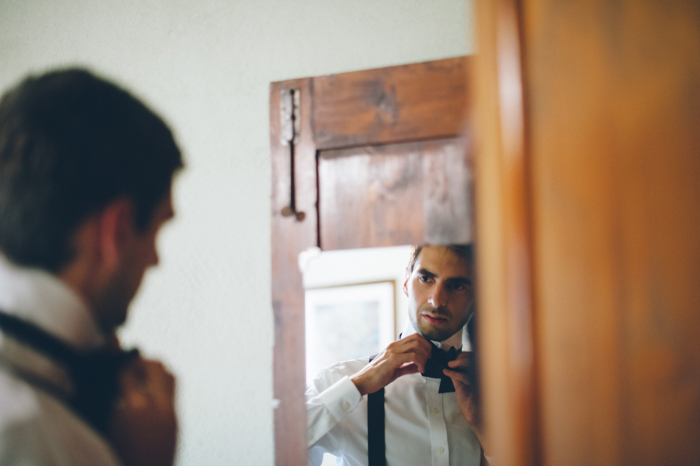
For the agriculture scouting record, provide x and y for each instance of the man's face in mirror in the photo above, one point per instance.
(440, 292)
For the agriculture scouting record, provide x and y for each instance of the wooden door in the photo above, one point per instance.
(588, 218)
(369, 158)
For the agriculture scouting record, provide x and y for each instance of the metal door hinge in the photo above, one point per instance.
(289, 116)
(290, 125)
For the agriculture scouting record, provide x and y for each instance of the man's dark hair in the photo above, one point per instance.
(465, 251)
(71, 143)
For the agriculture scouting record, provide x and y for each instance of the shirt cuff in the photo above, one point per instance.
(341, 398)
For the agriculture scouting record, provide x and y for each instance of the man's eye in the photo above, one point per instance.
(423, 278)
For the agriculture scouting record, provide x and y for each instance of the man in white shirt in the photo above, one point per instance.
(85, 178)
(424, 423)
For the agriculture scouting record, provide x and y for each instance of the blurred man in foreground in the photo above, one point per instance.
(85, 178)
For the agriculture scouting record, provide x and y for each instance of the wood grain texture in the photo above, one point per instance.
(615, 118)
(289, 238)
(395, 194)
(612, 173)
(390, 105)
(507, 320)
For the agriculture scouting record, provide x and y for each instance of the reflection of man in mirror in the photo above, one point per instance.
(412, 404)
(85, 179)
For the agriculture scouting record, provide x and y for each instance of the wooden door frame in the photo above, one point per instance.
(503, 196)
(380, 108)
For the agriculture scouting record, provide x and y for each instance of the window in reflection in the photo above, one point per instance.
(355, 305)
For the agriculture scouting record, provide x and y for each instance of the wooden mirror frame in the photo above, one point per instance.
(397, 108)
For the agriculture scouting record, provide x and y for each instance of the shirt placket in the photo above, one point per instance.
(436, 421)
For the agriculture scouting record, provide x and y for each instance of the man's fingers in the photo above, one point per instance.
(463, 362)
(404, 359)
(412, 347)
(419, 346)
(145, 383)
(131, 384)
(413, 342)
(400, 355)
(158, 384)
(408, 369)
(459, 366)
(458, 377)
(160, 379)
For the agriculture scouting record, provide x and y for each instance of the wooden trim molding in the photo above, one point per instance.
(504, 237)
(291, 236)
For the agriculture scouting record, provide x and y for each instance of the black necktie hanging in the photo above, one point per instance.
(376, 446)
(95, 374)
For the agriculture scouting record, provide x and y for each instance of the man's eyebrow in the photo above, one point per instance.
(460, 280)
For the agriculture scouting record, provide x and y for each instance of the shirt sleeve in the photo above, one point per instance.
(331, 398)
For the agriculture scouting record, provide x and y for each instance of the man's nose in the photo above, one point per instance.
(438, 297)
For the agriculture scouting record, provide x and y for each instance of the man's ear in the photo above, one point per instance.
(116, 229)
(405, 284)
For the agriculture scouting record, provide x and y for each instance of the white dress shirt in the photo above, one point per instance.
(423, 427)
(36, 428)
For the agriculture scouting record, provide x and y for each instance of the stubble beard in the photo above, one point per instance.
(112, 307)
(430, 331)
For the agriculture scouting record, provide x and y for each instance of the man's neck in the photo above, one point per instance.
(454, 341)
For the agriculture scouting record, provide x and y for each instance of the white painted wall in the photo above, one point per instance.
(205, 65)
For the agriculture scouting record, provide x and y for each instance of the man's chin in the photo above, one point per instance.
(435, 334)
(110, 318)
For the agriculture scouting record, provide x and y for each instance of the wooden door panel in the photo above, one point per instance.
(370, 201)
(601, 365)
(619, 230)
(388, 105)
(394, 194)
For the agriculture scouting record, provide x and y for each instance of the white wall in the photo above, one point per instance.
(205, 65)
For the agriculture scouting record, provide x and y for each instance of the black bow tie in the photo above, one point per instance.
(96, 378)
(95, 374)
(435, 365)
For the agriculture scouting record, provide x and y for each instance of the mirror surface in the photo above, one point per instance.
(354, 301)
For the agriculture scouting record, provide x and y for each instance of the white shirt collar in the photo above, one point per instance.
(410, 330)
(41, 298)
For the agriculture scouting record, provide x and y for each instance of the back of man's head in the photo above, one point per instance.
(71, 143)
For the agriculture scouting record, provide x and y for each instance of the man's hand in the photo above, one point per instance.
(143, 428)
(402, 357)
(465, 396)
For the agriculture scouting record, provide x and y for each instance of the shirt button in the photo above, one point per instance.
(441, 451)
(435, 410)
(346, 405)
(311, 437)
